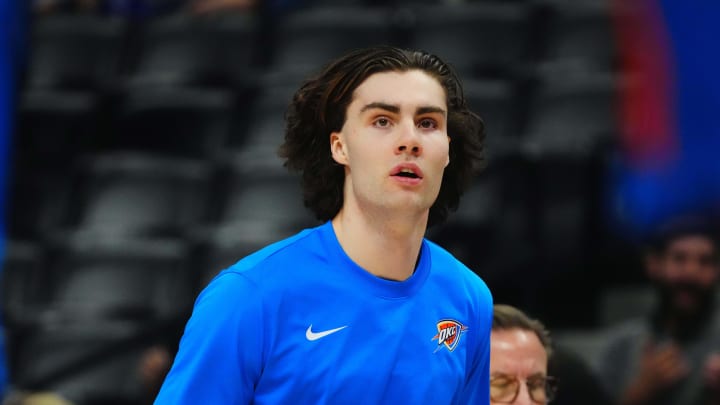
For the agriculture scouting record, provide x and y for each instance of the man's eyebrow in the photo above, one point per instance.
(430, 109)
(383, 106)
(396, 109)
(498, 374)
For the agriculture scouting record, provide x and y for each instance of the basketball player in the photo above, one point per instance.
(361, 309)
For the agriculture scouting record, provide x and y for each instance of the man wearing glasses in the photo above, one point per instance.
(519, 352)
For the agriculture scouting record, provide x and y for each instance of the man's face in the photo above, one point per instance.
(394, 143)
(517, 359)
(688, 272)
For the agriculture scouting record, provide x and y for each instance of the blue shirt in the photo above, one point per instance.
(299, 322)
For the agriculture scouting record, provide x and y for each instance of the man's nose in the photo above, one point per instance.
(523, 397)
(414, 149)
(409, 140)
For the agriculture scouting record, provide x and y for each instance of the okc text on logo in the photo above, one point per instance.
(449, 332)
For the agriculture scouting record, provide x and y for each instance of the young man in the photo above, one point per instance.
(673, 356)
(520, 348)
(361, 309)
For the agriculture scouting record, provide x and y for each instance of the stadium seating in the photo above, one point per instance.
(579, 36)
(495, 101)
(175, 122)
(102, 302)
(257, 202)
(572, 114)
(306, 39)
(22, 281)
(253, 207)
(75, 52)
(586, 343)
(624, 302)
(110, 277)
(137, 196)
(258, 127)
(145, 161)
(89, 364)
(198, 51)
(54, 127)
(467, 36)
(38, 202)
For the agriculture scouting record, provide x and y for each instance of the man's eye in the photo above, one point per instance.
(536, 385)
(382, 122)
(501, 382)
(427, 123)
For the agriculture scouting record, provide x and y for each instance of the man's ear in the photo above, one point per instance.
(337, 148)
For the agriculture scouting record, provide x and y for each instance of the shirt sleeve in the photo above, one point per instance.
(477, 387)
(220, 356)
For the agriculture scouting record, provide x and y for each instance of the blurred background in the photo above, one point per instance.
(141, 159)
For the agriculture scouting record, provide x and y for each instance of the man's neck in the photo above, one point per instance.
(385, 247)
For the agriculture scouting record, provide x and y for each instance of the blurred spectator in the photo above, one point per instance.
(519, 351)
(673, 357)
(154, 366)
(521, 348)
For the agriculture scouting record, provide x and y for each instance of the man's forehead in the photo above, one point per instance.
(692, 242)
(382, 87)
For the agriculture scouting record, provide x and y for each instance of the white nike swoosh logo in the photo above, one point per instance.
(310, 335)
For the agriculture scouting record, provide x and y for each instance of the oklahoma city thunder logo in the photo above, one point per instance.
(449, 333)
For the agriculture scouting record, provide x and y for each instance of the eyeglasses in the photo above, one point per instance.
(505, 389)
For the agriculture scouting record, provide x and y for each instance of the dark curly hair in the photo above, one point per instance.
(318, 108)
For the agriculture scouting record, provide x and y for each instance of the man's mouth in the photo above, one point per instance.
(407, 173)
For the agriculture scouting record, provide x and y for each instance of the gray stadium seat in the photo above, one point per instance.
(586, 343)
(306, 39)
(100, 278)
(478, 39)
(75, 52)
(137, 196)
(86, 364)
(572, 114)
(55, 126)
(579, 36)
(625, 302)
(175, 122)
(184, 50)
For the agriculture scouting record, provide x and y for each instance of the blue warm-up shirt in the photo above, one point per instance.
(299, 322)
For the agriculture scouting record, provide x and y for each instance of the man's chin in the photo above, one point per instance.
(687, 306)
